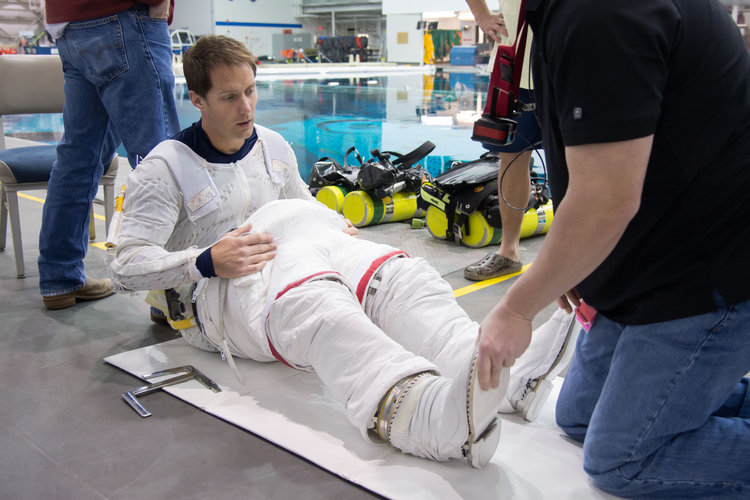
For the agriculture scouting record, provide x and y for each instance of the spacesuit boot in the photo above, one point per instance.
(440, 418)
(551, 349)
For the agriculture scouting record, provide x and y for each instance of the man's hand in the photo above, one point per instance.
(569, 301)
(350, 229)
(240, 252)
(493, 25)
(159, 11)
(503, 336)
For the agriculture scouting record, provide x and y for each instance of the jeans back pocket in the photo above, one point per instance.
(100, 45)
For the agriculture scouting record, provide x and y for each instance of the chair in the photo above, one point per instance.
(32, 84)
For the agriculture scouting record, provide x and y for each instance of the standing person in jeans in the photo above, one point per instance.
(513, 177)
(647, 187)
(117, 59)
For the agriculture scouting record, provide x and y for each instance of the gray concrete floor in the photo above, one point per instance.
(65, 433)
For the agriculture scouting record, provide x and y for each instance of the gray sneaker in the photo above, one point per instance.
(491, 266)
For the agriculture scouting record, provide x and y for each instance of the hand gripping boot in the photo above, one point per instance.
(440, 418)
(551, 349)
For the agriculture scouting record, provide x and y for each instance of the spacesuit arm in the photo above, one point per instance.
(139, 259)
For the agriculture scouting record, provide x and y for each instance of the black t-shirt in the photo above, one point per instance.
(607, 71)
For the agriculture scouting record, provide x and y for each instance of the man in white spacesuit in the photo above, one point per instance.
(382, 331)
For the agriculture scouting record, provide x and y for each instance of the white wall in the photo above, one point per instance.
(412, 6)
(254, 23)
(251, 22)
(195, 15)
(258, 11)
(400, 27)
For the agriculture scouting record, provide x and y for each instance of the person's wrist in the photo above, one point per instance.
(483, 19)
(515, 306)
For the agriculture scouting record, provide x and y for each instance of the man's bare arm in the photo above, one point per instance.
(603, 195)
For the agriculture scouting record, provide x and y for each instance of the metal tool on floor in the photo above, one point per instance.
(187, 372)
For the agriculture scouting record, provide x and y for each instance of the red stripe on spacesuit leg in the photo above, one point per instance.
(365, 280)
(289, 287)
(276, 353)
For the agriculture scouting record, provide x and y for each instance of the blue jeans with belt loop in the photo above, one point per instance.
(663, 410)
(118, 87)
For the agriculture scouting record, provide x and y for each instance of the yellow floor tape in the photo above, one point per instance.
(484, 284)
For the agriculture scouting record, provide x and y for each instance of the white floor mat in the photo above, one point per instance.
(293, 410)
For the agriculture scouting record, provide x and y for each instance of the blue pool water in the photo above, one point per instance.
(325, 117)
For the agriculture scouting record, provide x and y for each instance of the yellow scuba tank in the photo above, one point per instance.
(332, 197)
(480, 233)
(537, 221)
(363, 210)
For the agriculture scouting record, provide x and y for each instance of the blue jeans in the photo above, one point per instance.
(663, 409)
(118, 87)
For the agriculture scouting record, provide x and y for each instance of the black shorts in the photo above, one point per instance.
(527, 132)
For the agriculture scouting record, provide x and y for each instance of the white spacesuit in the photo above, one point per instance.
(382, 331)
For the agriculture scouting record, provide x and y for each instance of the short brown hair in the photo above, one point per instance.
(210, 51)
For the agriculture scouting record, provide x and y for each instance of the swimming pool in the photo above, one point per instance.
(324, 117)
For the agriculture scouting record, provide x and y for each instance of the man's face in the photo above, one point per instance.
(228, 109)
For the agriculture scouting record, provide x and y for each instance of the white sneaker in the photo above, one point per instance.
(441, 418)
(551, 349)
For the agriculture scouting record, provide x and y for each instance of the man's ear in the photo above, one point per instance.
(197, 100)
